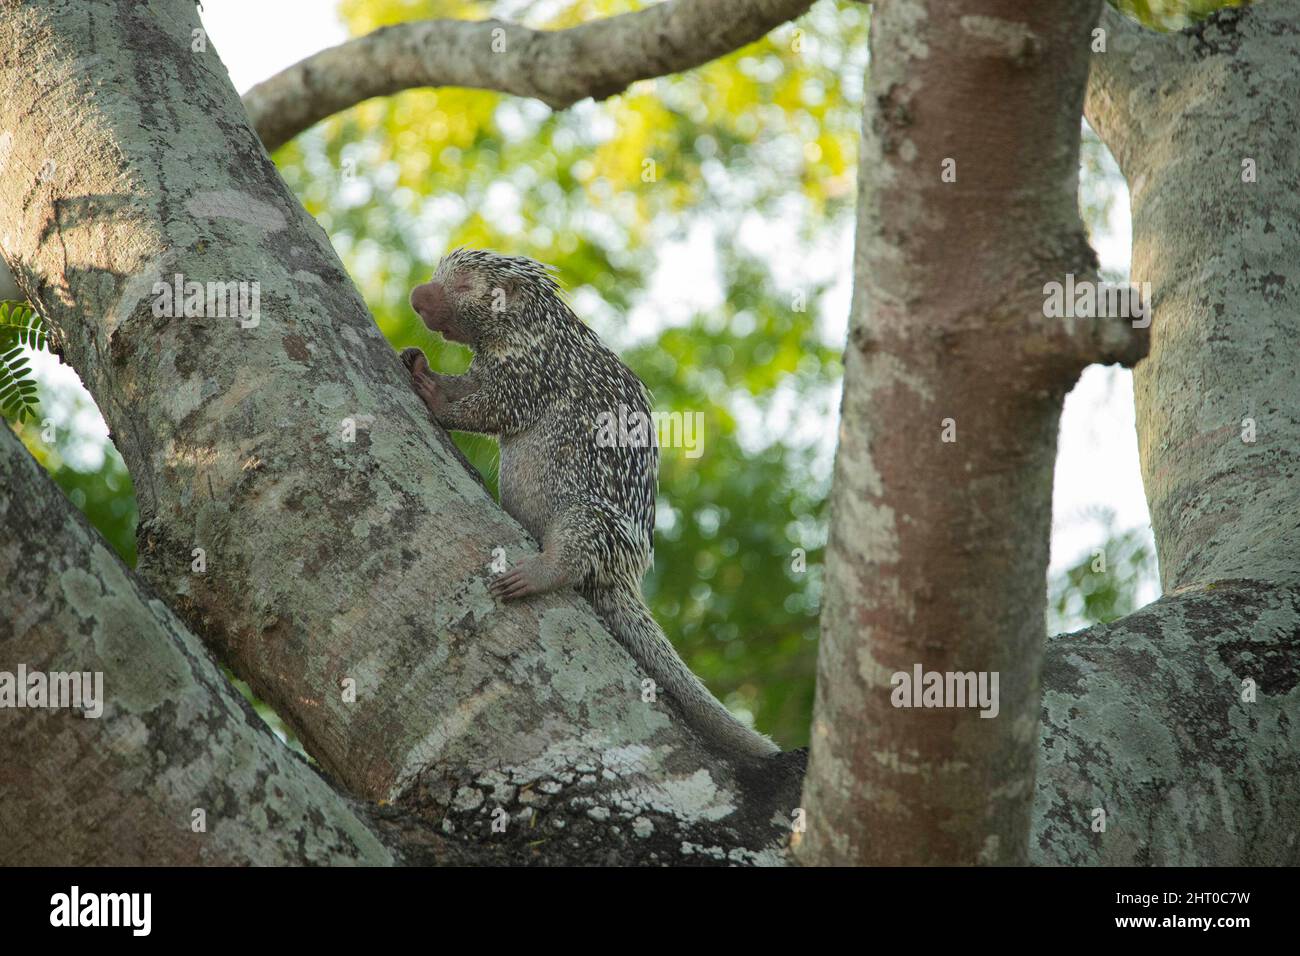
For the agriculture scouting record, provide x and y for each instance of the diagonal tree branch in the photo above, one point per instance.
(1168, 737)
(558, 67)
(171, 743)
(173, 737)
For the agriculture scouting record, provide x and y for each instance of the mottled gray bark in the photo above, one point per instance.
(177, 768)
(1221, 256)
(1151, 722)
(1149, 718)
(558, 67)
(330, 566)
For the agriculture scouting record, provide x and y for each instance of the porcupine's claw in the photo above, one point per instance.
(520, 581)
(427, 389)
(414, 359)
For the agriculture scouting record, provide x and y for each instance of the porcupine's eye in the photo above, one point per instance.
(461, 286)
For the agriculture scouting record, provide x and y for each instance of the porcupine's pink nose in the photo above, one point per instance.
(430, 300)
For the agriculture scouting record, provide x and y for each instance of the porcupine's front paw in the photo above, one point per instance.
(427, 388)
(414, 360)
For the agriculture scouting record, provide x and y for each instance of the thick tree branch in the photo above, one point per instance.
(1170, 738)
(173, 740)
(176, 769)
(1216, 226)
(1179, 720)
(558, 67)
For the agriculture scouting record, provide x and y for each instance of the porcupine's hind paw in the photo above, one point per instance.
(532, 575)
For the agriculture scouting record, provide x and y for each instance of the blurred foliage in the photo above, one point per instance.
(743, 219)
(1173, 14)
(1104, 584)
(68, 444)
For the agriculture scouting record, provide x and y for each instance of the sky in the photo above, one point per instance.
(1097, 462)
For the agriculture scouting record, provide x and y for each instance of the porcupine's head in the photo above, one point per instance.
(477, 296)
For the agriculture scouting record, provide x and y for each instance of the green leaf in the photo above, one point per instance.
(21, 328)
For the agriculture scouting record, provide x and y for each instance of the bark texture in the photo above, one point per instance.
(1220, 254)
(558, 67)
(174, 736)
(1146, 721)
(938, 548)
(1150, 718)
(329, 565)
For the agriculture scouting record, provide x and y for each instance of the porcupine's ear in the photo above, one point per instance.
(503, 294)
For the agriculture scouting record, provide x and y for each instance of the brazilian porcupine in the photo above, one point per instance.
(540, 382)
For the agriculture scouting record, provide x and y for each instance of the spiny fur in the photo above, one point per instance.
(541, 379)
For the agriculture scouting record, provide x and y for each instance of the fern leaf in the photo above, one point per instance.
(20, 328)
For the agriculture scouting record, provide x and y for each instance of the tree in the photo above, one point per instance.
(281, 464)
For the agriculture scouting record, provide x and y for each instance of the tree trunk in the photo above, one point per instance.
(1179, 721)
(954, 378)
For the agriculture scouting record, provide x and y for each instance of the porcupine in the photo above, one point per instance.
(539, 382)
